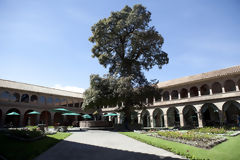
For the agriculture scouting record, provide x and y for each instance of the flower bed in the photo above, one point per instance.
(191, 138)
(24, 134)
(212, 130)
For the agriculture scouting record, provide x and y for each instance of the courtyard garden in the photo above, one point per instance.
(27, 143)
(203, 143)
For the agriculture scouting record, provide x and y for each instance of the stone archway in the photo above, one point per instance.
(158, 118)
(13, 120)
(173, 117)
(190, 116)
(29, 120)
(231, 111)
(58, 119)
(210, 115)
(145, 117)
(45, 117)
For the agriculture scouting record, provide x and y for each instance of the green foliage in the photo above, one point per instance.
(13, 149)
(227, 150)
(112, 91)
(25, 133)
(213, 130)
(190, 135)
(126, 43)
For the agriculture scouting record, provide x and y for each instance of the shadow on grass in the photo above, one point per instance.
(13, 149)
(75, 151)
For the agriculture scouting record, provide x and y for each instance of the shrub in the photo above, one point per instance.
(212, 130)
(25, 133)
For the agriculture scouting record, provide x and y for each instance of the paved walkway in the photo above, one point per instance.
(104, 145)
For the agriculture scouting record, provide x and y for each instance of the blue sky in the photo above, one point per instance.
(45, 42)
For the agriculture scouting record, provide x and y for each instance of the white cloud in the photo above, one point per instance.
(69, 88)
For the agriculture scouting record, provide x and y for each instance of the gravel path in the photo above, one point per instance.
(104, 145)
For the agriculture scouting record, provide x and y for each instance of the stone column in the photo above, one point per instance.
(188, 93)
(154, 100)
(210, 90)
(118, 119)
(179, 95)
(200, 124)
(223, 89)
(170, 97)
(237, 88)
(151, 120)
(181, 119)
(21, 120)
(165, 121)
(3, 118)
(139, 119)
(199, 93)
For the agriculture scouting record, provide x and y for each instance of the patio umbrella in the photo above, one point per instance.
(71, 114)
(60, 110)
(13, 114)
(33, 112)
(110, 114)
(86, 116)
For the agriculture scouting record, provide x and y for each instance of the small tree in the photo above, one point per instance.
(127, 45)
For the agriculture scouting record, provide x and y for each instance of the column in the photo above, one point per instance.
(165, 121)
(237, 88)
(181, 119)
(139, 119)
(118, 119)
(210, 90)
(179, 95)
(146, 100)
(151, 120)
(3, 118)
(161, 98)
(154, 100)
(21, 119)
(199, 93)
(223, 89)
(200, 124)
(170, 97)
(188, 93)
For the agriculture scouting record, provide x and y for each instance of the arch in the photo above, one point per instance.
(25, 98)
(166, 96)
(5, 96)
(57, 102)
(42, 100)
(231, 112)
(204, 90)
(174, 94)
(29, 120)
(69, 120)
(173, 117)
(158, 118)
(210, 115)
(216, 88)
(184, 93)
(193, 91)
(134, 117)
(49, 101)
(45, 117)
(15, 97)
(190, 116)
(145, 117)
(13, 120)
(229, 86)
(58, 119)
(34, 99)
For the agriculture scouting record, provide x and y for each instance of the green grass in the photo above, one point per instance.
(228, 150)
(17, 150)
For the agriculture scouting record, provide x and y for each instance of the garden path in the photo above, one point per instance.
(104, 145)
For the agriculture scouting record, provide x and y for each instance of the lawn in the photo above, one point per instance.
(17, 150)
(228, 150)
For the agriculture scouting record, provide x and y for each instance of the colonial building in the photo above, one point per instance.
(206, 99)
(23, 98)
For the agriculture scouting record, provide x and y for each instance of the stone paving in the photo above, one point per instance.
(104, 145)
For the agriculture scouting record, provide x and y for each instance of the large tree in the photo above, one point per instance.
(126, 43)
(128, 46)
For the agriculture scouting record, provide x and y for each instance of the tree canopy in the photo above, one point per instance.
(126, 44)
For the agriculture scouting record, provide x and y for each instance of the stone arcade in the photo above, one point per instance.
(207, 99)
